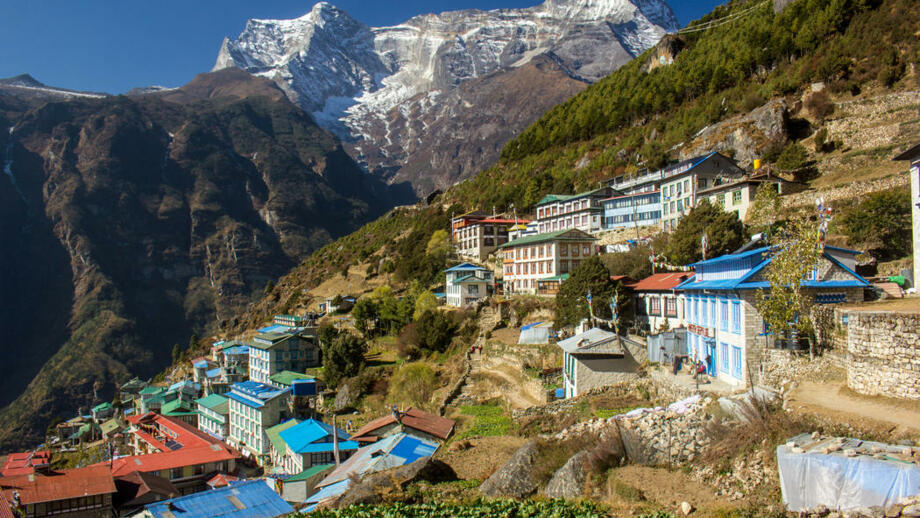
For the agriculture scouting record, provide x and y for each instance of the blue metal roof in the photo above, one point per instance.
(247, 499)
(202, 364)
(213, 373)
(328, 492)
(242, 350)
(464, 266)
(729, 257)
(305, 436)
(396, 450)
(844, 250)
(254, 394)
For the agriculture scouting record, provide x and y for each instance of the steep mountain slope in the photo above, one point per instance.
(723, 74)
(130, 223)
(373, 85)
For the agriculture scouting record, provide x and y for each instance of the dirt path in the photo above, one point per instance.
(834, 400)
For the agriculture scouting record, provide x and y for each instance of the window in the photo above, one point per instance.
(175, 473)
(736, 318)
(574, 250)
(586, 250)
(671, 307)
(712, 313)
(736, 362)
(563, 266)
(723, 352)
(680, 205)
(654, 306)
(672, 207)
(736, 197)
(723, 315)
(563, 249)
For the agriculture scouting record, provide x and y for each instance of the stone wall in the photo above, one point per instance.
(883, 349)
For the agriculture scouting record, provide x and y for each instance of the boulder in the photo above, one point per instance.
(344, 398)
(569, 480)
(371, 488)
(515, 479)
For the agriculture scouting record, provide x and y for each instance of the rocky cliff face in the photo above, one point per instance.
(127, 224)
(376, 87)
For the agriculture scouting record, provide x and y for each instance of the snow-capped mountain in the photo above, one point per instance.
(357, 79)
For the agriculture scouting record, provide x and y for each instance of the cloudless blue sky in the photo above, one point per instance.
(114, 45)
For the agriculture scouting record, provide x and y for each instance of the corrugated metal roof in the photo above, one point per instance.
(309, 472)
(312, 436)
(249, 499)
(592, 341)
(215, 402)
(661, 281)
(413, 418)
(396, 450)
(559, 235)
(60, 485)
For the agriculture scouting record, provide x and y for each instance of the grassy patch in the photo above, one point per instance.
(607, 413)
(488, 420)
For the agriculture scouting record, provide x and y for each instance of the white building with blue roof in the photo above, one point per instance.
(467, 283)
(254, 407)
(244, 499)
(310, 443)
(723, 322)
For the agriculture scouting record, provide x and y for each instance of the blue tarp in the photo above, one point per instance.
(247, 499)
(213, 373)
(528, 326)
(560, 393)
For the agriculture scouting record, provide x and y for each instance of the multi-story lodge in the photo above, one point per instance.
(76, 493)
(681, 182)
(270, 353)
(639, 208)
(543, 256)
(583, 211)
(467, 283)
(255, 407)
(476, 234)
(724, 324)
(213, 415)
(174, 450)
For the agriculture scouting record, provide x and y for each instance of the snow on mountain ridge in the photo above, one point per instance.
(351, 77)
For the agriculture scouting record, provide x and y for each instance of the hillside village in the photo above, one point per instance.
(275, 414)
(726, 327)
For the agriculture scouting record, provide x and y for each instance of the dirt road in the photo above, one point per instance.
(833, 399)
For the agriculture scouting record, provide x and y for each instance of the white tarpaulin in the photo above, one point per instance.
(536, 333)
(814, 471)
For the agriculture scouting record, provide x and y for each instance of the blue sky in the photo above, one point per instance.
(114, 45)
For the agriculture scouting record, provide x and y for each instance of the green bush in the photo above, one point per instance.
(881, 222)
(477, 509)
(435, 330)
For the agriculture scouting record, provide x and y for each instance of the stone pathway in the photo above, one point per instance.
(832, 400)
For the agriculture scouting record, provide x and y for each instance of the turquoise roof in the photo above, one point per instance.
(313, 436)
(465, 266)
(214, 402)
(551, 236)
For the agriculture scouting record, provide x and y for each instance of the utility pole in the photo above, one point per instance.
(335, 440)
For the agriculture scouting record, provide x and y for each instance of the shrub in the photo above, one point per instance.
(881, 222)
(793, 157)
(413, 384)
(435, 330)
(343, 357)
(820, 105)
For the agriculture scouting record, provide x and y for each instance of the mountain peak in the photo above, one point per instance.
(22, 80)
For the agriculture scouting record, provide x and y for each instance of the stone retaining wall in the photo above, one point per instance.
(883, 350)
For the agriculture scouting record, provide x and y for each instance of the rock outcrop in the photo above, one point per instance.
(745, 137)
(569, 480)
(516, 478)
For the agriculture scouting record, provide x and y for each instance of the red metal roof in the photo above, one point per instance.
(59, 485)
(188, 456)
(414, 418)
(661, 281)
(135, 485)
(5, 511)
(24, 463)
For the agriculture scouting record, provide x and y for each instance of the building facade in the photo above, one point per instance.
(583, 211)
(310, 443)
(541, 256)
(593, 359)
(637, 209)
(467, 283)
(213, 415)
(726, 330)
(476, 235)
(270, 353)
(658, 307)
(254, 407)
(681, 182)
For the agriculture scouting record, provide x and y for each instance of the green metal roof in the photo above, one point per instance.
(470, 279)
(558, 235)
(215, 402)
(549, 198)
(175, 407)
(102, 406)
(110, 426)
(309, 472)
(287, 378)
(152, 390)
(560, 278)
(274, 434)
